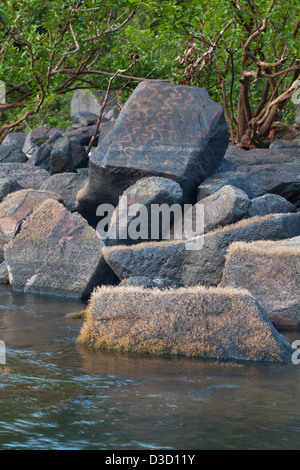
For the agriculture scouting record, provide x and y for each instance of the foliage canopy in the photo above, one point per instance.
(244, 52)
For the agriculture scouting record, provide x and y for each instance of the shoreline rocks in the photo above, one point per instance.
(197, 261)
(168, 147)
(56, 253)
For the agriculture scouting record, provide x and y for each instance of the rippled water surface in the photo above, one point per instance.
(56, 394)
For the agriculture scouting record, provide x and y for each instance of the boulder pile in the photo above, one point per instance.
(181, 242)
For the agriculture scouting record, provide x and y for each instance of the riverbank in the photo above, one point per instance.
(59, 395)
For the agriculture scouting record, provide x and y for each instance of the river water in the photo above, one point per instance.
(56, 394)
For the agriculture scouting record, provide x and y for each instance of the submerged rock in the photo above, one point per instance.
(271, 272)
(166, 130)
(223, 324)
(56, 253)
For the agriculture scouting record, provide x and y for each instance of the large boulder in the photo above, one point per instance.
(56, 253)
(271, 272)
(9, 153)
(15, 208)
(219, 324)
(29, 177)
(67, 186)
(199, 260)
(166, 130)
(146, 192)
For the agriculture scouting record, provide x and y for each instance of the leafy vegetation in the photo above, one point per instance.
(244, 52)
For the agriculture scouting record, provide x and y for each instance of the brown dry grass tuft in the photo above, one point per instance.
(192, 321)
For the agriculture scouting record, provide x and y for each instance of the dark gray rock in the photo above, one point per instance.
(41, 155)
(285, 144)
(15, 138)
(67, 186)
(166, 130)
(149, 283)
(270, 204)
(9, 153)
(199, 261)
(38, 137)
(7, 186)
(83, 135)
(282, 179)
(56, 253)
(83, 119)
(239, 157)
(147, 192)
(225, 206)
(66, 156)
(215, 183)
(28, 176)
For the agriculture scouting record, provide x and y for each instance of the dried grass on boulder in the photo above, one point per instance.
(223, 324)
(178, 261)
(271, 272)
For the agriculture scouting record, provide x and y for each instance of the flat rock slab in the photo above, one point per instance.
(29, 177)
(166, 130)
(271, 272)
(222, 324)
(198, 261)
(14, 209)
(56, 253)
